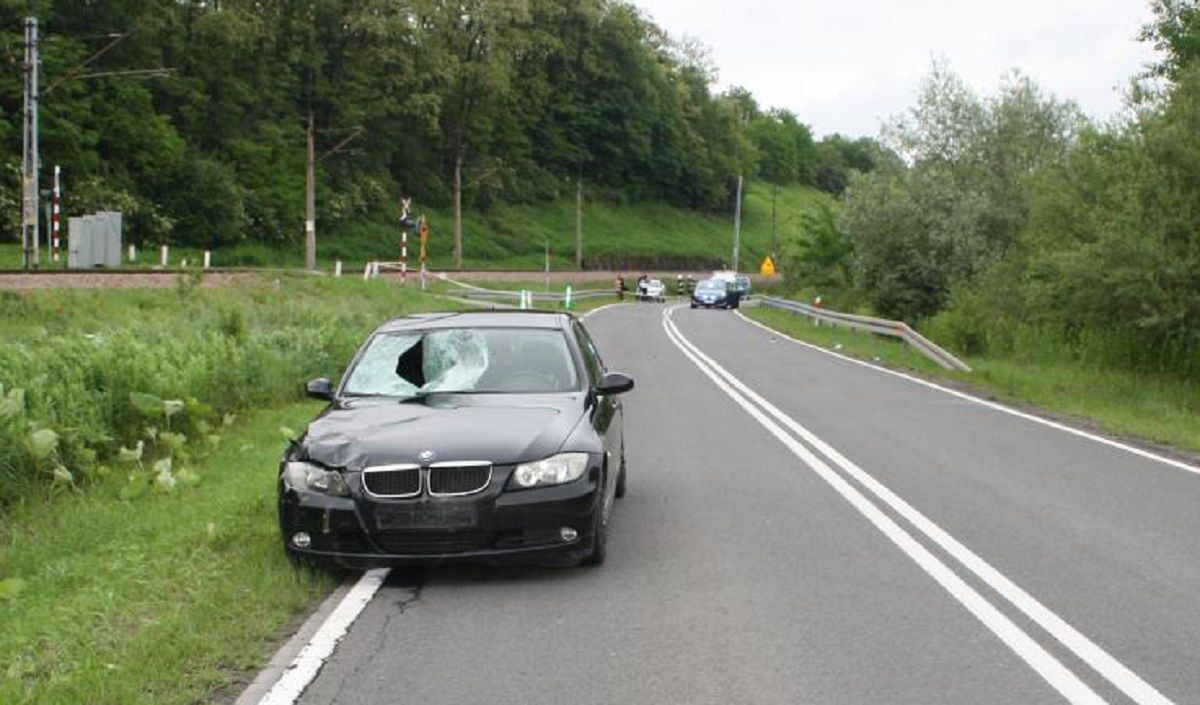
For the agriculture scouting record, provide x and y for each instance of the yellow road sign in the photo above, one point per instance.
(768, 266)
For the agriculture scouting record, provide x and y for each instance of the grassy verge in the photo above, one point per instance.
(616, 235)
(84, 374)
(1159, 409)
(160, 599)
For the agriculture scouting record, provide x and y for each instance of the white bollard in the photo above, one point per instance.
(374, 270)
(183, 263)
(367, 272)
(337, 269)
(567, 299)
(164, 255)
(132, 253)
(207, 259)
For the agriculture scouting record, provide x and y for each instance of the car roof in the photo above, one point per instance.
(501, 318)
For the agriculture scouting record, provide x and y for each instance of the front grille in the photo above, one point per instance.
(395, 481)
(458, 479)
(432, 542)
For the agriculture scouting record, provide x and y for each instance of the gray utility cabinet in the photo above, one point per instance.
(94, 241)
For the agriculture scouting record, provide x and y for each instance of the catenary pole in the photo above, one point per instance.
(737, 224)
(579, 222)
(29, 153)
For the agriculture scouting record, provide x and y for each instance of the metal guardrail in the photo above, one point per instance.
(537, 295)
(521, 298)
(881, 326)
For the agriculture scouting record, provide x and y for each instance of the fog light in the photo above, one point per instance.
(301, 539)
(568, 534)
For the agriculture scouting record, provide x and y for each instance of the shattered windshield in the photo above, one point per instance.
(480, 360)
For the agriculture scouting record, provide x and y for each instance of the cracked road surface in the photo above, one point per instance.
(737, 575)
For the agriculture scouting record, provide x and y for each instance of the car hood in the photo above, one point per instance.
(361, 433)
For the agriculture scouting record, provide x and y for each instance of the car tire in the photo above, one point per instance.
(693, 304)
(619, 490)
(599, 542)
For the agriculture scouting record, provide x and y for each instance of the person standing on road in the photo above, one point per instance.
(620, 288)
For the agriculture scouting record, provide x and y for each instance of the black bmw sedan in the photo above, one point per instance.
(484, 436)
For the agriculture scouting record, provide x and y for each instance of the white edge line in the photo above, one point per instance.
(308, 663)
(1179, 464)
(598, 309)
(1043, 662)
(1090, 652)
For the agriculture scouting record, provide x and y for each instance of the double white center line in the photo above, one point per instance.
(791, 433)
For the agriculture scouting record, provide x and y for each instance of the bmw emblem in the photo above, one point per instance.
(426, 456)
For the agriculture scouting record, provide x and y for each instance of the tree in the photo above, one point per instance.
(961, 205)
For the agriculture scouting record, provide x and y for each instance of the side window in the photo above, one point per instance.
(591, 358)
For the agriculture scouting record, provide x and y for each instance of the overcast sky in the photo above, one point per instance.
(844, 65)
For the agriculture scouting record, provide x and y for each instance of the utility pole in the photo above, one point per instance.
(310, 201)
(737, 224)
(29, 153)
(458, 244)
(774, 221)
(579, 222)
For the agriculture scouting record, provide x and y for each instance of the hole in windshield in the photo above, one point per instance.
(473, 360)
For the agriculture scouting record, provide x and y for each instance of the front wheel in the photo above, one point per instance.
(599, 542)
(619, 490)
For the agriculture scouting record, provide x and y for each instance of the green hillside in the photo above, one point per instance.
(624, 236)
(647, 235)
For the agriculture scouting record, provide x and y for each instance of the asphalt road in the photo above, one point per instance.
(922, 549)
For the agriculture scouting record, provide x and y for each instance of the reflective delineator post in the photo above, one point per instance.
(337, 269)
(207, 259)
(164, 255)
(367, 272)
(132, 252)
(567, 298)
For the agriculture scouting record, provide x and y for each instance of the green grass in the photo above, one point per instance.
(627, 236)
(73, 362)
(161, 599)
(1157, 408)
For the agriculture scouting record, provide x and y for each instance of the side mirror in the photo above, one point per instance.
(614, 383)
(319, 388)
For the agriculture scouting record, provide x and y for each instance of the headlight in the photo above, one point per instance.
(554, 470)
(306, 476)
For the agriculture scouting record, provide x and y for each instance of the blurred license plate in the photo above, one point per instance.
(425, 517)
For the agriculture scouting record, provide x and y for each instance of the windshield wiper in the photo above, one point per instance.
(422, 395)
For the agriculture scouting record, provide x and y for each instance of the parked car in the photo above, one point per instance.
(741, 285)
(714, 293)
(652, 290)
(480, 436)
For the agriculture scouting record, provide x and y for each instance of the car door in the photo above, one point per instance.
(606, 414)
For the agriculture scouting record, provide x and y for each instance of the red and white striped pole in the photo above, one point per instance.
(56, 200)
(405, 203)
(403, 256)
